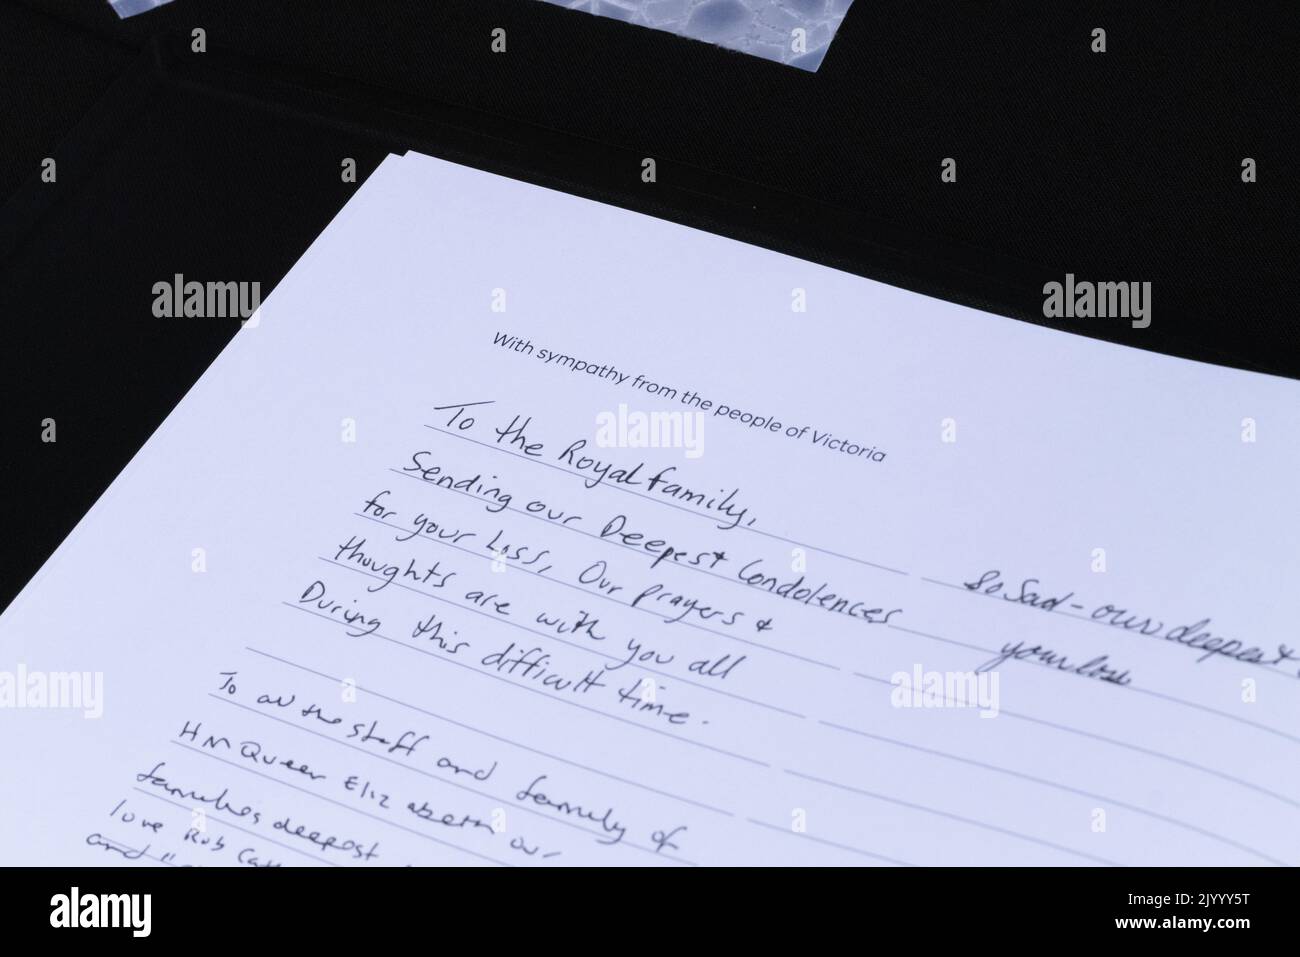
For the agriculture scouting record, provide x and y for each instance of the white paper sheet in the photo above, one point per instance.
(576, 649)
(794, 32)
(131, 8)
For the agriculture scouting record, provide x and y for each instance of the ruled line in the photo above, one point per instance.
(449, 782)
(350, 809)
(1128, 687)
(124, 848)
(1156, 815)
(821, 840)
(608, 540)
(1122, 744)
(223, 822)
(1113, 629)
(595, 652)
(495, 737)
(680, 508)
(576, 704)
(938, 812)
(474, 553)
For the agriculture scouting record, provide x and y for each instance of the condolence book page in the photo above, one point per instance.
(517, 529)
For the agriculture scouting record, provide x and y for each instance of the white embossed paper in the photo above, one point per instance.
(794, 32)
(130, 8)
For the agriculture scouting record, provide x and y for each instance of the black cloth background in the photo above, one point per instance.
(225, 165)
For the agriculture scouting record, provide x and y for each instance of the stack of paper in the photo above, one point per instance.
(518, 529)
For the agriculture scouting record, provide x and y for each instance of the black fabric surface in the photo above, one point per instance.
(1120, 166)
